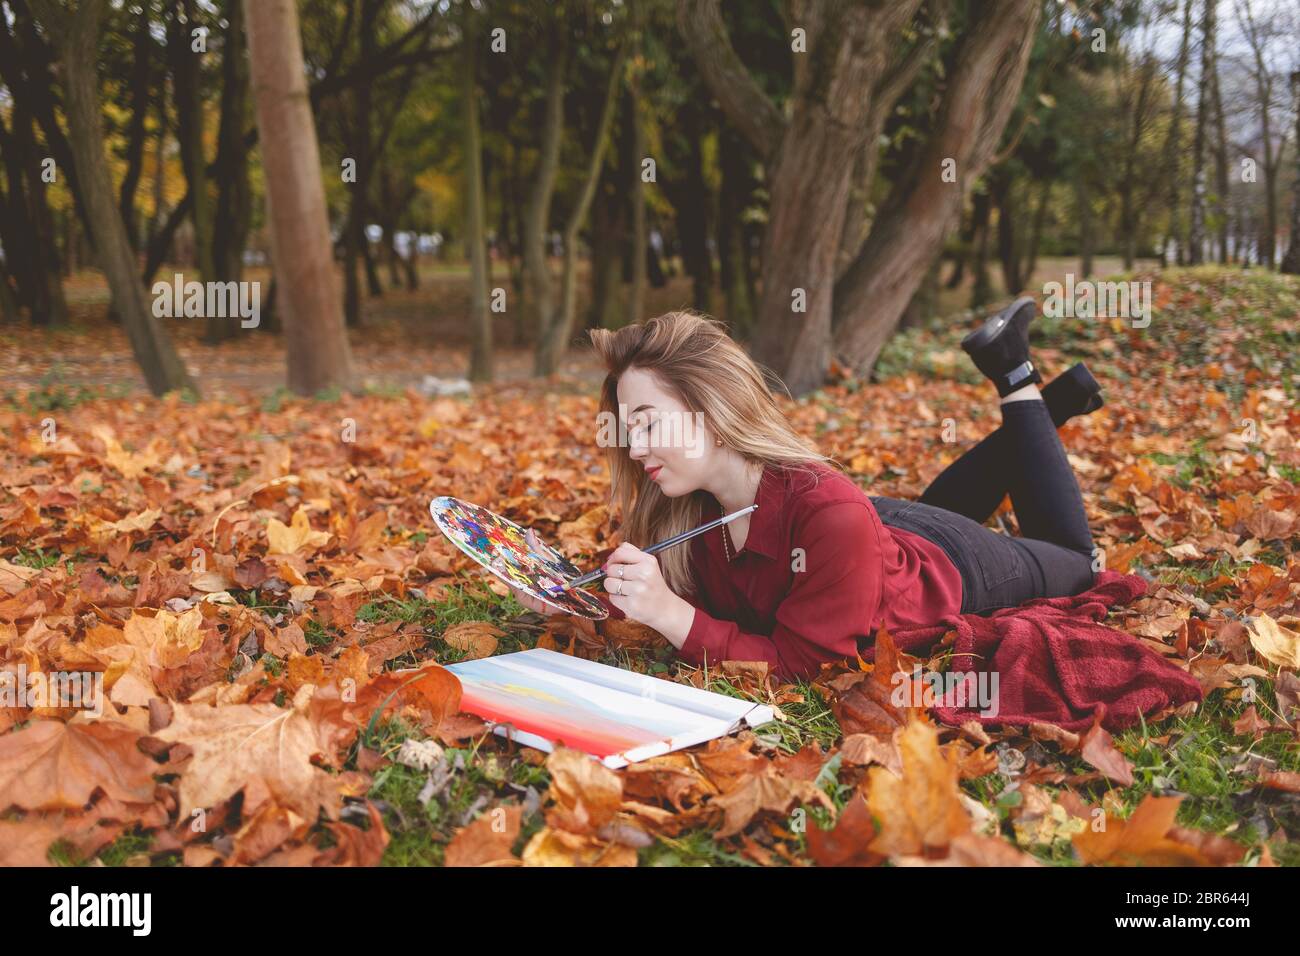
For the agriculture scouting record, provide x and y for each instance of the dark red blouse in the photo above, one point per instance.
(817, 576)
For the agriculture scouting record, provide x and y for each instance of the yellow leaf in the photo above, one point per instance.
(1275, 643)
(286, 539)
(922, 810)
(475, 638)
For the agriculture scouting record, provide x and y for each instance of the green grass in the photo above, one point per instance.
(478, 782)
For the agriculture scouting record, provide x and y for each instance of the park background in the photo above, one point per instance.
(433, 201)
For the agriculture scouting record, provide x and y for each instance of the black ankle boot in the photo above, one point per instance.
(1073, 392)
(1000, 347)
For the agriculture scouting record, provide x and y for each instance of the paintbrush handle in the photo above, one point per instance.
(676, 539)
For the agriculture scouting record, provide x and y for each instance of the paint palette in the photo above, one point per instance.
(500, 545)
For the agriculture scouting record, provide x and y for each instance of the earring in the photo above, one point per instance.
(718, 442)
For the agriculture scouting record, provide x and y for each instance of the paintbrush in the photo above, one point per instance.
(599, 573)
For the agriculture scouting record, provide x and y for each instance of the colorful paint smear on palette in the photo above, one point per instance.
(542, 698)
(499, 545)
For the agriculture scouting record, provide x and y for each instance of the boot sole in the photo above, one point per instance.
(993, 326)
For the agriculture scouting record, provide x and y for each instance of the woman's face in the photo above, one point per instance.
(671, 443)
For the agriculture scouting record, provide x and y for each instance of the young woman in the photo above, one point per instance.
(812, 573)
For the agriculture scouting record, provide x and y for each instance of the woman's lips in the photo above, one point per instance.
(653, 473)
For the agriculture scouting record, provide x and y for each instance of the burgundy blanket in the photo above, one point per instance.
(1055, 662)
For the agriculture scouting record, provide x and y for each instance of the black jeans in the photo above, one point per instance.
(1023, 458)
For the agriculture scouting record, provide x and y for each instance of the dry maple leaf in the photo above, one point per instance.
(288, 539)
(552, 847)
(476, 638)
(1275, 643)
(1097, 748)
(973, 849)
(848, 843)
(354, 845)
(767, 791)
(131, 465)
(163, 640)
(235, 743)
(50, 765)
(920, 812)
(486, 841)
(672, 779)
(1141, 840)
(26, 842)
(587, 794)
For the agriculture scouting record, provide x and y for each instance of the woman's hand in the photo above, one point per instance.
(638, 589)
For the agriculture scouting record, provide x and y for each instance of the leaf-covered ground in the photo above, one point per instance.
(248, 576)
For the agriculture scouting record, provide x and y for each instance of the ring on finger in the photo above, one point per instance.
(620, 588)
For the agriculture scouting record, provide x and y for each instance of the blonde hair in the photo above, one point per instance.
(693, 357)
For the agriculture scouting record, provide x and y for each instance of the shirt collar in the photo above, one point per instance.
(764, 535)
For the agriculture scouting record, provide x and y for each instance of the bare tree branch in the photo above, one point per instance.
(747, 106)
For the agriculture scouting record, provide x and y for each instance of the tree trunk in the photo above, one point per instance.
(1009, 241)
(636, 288)
(608, 228)
(981, 289)
(1220, 154)
(555, 336)
(539, 294)
(234, 206)
(75, 29)
(852, 74)
(480, 358)
(1083, 212)
(8, 301)
(27, 225)
(141, 81)
(1173, 143)
(1291, 261)
(1197, 231)
(914, 221)
(733, 196)
(315, 338)
(1035, 237)
(189, 132)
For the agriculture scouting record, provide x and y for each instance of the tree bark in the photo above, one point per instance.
(1173, 144)
(850, 75)
(1272, 157)
(235, 198)
(1009, 239)
(539, 293)
(555, 333)
(75, 29)
(636, 288)
(1083, 212)
(480, 360)
(981, 288)
(1220, 149)
(141, 81)
(1197, 230)
(186, 81)
(733, 253)
(1291, 261)
(315, 338)
(922, 209)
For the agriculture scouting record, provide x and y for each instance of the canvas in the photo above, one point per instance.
(499, 545)
(540, 698)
